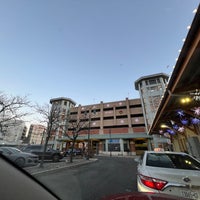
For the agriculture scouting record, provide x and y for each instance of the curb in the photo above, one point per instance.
(63, 167)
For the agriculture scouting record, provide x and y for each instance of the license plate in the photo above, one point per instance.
(189, 194)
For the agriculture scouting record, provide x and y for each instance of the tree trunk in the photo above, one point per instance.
(72, 150)
(45, 148)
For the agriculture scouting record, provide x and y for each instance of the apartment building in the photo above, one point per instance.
(36, 134)
(14, 132)
(112, 128)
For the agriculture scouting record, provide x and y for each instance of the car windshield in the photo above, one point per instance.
(88, 86)
(176, 161)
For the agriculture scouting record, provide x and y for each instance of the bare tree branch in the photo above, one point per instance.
(11, 109)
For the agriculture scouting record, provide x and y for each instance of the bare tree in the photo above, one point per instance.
(59, 120)
(72, 129)
(51, 116)
(12, 109)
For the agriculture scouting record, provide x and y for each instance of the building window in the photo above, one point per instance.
(152, 81)
(113, 145)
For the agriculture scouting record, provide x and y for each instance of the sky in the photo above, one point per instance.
(88, 50)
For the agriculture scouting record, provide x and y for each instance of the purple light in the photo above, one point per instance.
(170, 131)
(184, 121)
(195, 121)
(175, 127)
(180, 113)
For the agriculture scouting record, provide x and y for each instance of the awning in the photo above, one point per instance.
(110, 136)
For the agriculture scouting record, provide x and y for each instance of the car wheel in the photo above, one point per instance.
(20, 162)
(56, 158)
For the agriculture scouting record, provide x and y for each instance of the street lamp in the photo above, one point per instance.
(110, 142)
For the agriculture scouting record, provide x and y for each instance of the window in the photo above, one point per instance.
(152, 81)
(177, 161)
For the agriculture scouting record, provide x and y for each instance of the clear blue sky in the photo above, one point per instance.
(88, 50)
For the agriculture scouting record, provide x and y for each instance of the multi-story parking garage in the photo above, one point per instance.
(113, 127)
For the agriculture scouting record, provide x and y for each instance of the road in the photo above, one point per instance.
(107, 176)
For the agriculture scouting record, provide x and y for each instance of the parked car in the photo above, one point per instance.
(20, 158)
(75, 152)
(50, 154)
(173, 173)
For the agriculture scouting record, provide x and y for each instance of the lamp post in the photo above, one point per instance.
(110, 142)
(88, 154)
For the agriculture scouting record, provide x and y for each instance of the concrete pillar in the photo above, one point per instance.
(101, 146)
(121, 141)
(132, 146)
(106, 146)
(101, 118)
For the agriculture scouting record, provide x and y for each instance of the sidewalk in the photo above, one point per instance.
(64, 163)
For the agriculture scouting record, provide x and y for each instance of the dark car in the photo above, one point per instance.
(75, 152)
(50, 154)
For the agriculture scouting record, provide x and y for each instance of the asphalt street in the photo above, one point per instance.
(107, 176)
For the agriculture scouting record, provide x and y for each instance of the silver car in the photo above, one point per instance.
(173, 173)
(18, 157)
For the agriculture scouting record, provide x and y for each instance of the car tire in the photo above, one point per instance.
(56, 158)
(20, 162)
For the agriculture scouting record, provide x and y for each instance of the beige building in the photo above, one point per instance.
(111, 128)
(36, 133)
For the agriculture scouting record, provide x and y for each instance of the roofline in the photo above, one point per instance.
(191, 36)
(148, 77)
(62, 98)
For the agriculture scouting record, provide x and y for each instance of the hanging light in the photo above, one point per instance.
(184, 121)
(195, 121)
(175, 127)
(171, 132)
(196, 111)
(181, 129)
(180, 113)
(186, 100)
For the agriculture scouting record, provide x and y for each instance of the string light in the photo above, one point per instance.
(194, 11)
(188, 27)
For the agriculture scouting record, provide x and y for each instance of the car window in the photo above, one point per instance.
(176, 161)
(4, 150)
